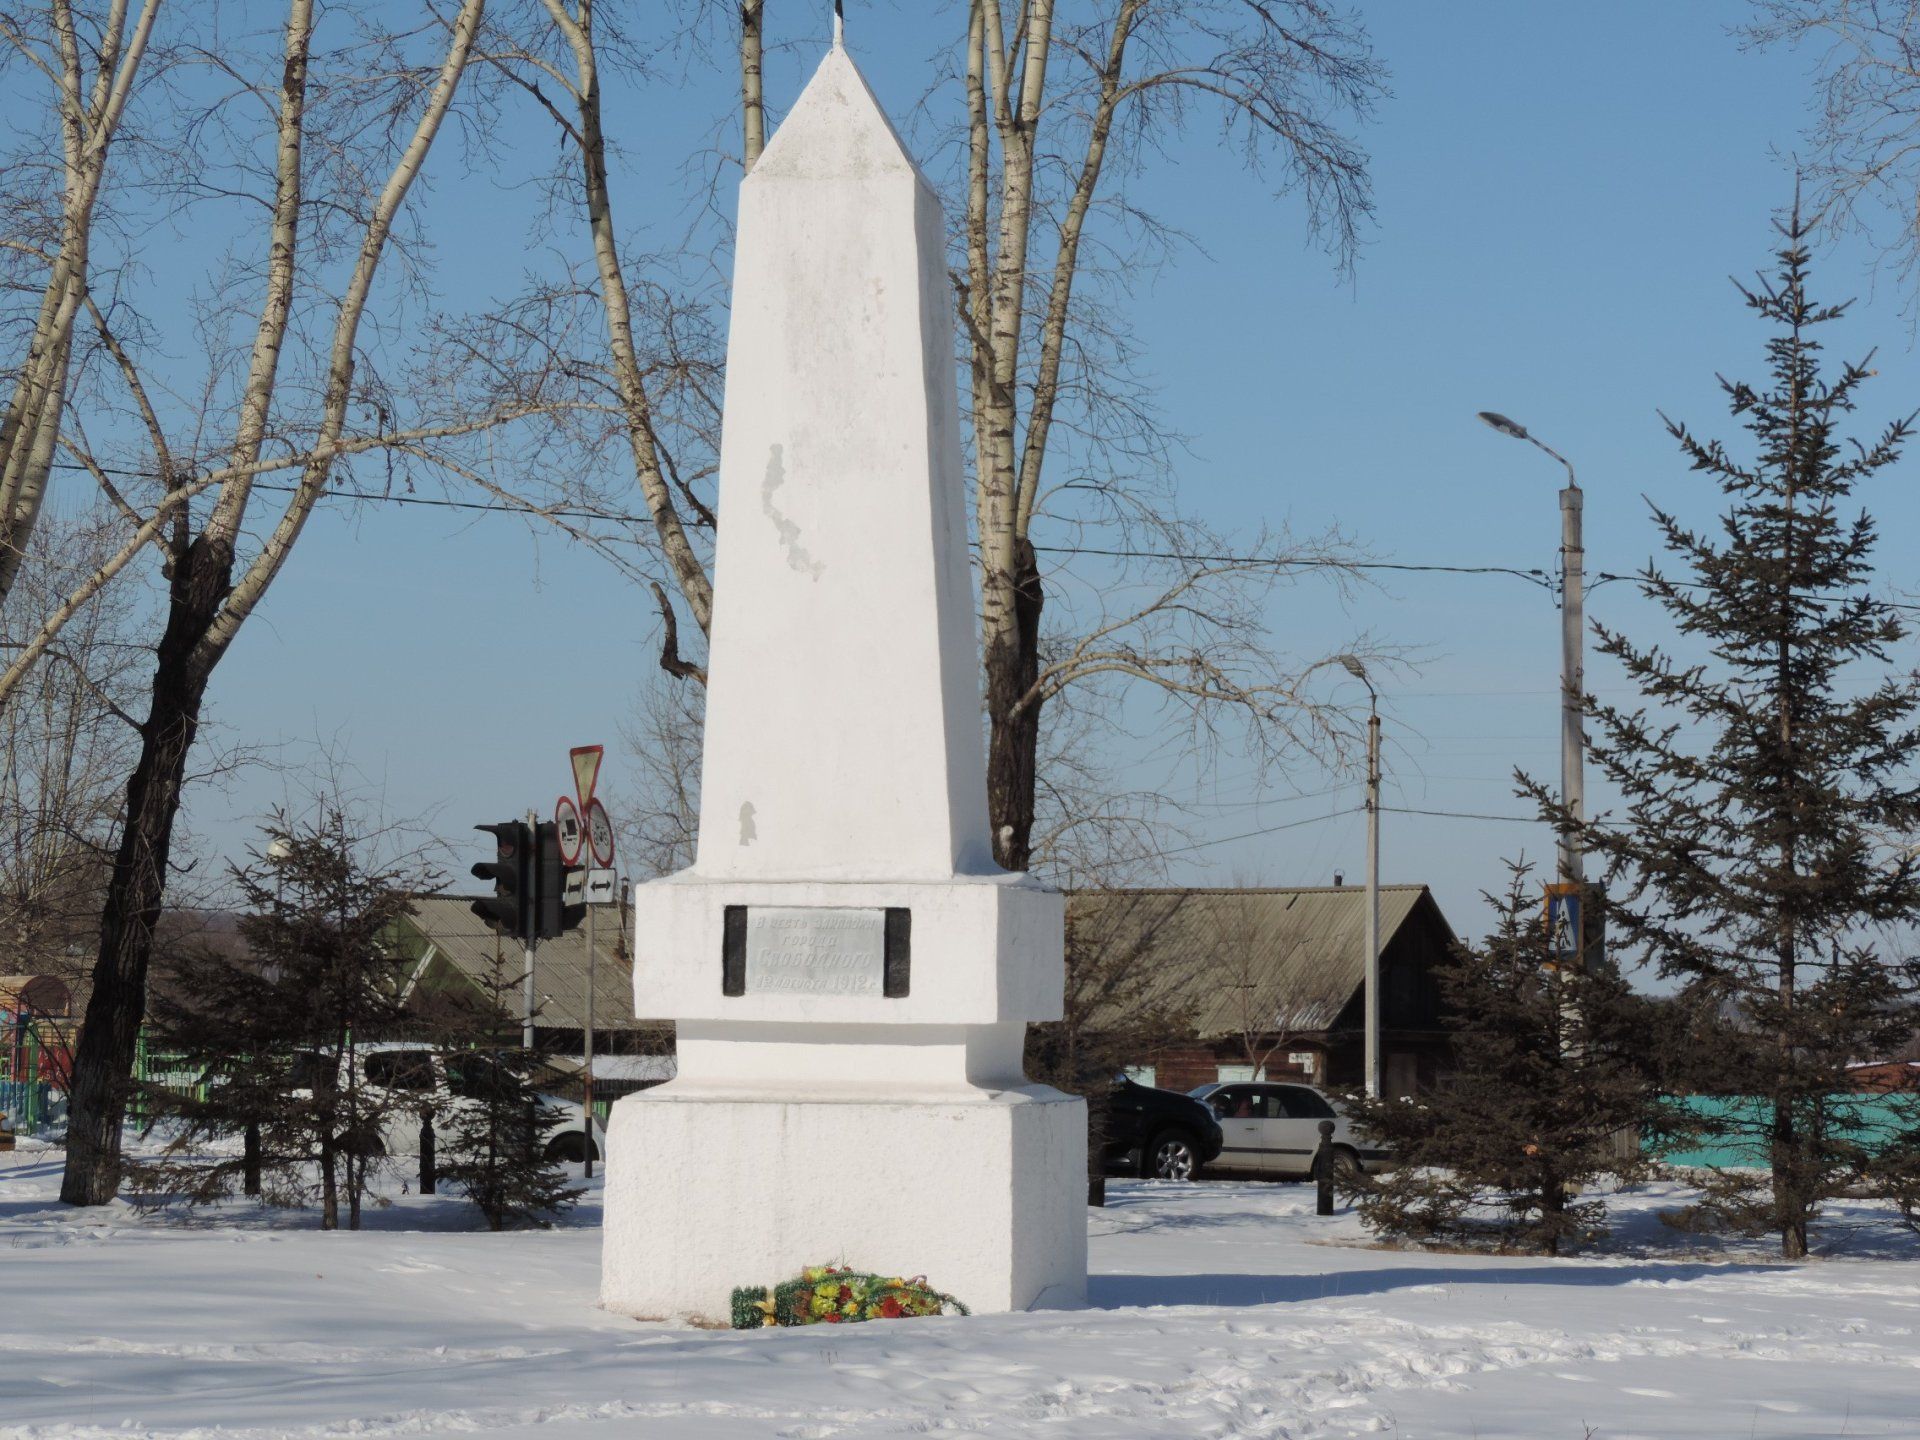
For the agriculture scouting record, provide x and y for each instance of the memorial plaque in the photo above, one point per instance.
(808, 951)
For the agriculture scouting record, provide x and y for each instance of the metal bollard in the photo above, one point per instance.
(1323, 1170)
(426, 1154)
(250, 1159)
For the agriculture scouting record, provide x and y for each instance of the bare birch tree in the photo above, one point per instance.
(1272, 1002)
(567, 56)
(1060, 100)
(88, 63)
(66, 744)
(1863, 167)
(335, 168)
(660, 816)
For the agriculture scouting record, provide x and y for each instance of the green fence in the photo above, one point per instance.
(1870, 1121)
(157, 1068)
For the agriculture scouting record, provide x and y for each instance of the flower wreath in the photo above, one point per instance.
(832, 1295)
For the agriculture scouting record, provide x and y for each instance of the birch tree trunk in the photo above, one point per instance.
(753, 110)
(575, 26)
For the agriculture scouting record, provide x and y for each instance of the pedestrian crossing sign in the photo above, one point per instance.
(1564, 921)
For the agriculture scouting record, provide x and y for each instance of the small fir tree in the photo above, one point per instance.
(494, 1137)
(1756, 853)
(1549, 1075)
(276, 1030)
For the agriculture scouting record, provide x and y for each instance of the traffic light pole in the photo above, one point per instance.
(587, 1042)
(529, 945)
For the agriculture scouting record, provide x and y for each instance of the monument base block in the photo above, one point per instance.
(986, 1197)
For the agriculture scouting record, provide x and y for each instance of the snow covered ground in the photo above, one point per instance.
(1218, 1310)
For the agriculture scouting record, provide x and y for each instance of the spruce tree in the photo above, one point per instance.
(494, 1137)
(277, 1031)
(1765, 773)
(1550, 1074)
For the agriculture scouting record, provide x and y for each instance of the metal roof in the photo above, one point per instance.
(1290, 959)
(460, 939)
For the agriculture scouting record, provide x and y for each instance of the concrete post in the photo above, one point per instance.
(1572, 680)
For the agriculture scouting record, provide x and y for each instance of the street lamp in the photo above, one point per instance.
(1573, 599)
(1351, 664)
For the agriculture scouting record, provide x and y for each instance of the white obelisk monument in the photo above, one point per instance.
(851, 975)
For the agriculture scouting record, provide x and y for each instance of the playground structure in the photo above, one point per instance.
(37, 1030)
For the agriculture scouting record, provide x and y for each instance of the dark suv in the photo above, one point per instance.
(1159, 1134)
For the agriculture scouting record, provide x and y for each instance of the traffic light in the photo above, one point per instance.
(553, 915)
(509, 910)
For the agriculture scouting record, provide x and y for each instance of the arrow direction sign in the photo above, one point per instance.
(576, 889)
(601, 885)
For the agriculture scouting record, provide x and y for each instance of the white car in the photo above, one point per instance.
(403, 1074)
(1272, 1129)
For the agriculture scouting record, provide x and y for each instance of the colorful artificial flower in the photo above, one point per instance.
(836, 1295)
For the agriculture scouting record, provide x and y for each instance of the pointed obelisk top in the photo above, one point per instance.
(836, 130)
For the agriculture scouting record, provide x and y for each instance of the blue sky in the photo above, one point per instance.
(1562, 193)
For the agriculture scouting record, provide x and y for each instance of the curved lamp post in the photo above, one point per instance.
(1573, 599)
(1351, 664)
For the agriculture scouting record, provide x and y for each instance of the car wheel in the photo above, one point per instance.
(1170, 1155)
(571, 1148)
(1346, 1164)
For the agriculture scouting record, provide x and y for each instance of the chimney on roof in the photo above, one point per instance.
(1338, 879)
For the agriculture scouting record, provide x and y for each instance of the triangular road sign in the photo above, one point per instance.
(586, 771)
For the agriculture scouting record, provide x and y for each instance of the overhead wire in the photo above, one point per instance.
(1266, 830)
(1533, 575)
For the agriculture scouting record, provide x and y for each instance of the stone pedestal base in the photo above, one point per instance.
(985, 1197)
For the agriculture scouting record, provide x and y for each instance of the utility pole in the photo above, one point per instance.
(1573, 685)
(1371, 983)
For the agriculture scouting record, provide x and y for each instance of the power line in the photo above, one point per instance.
(1258, 801)
(1602, 576)
(1463, 815)
(1533, 576)
(1536, 577)
(1269, 830)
